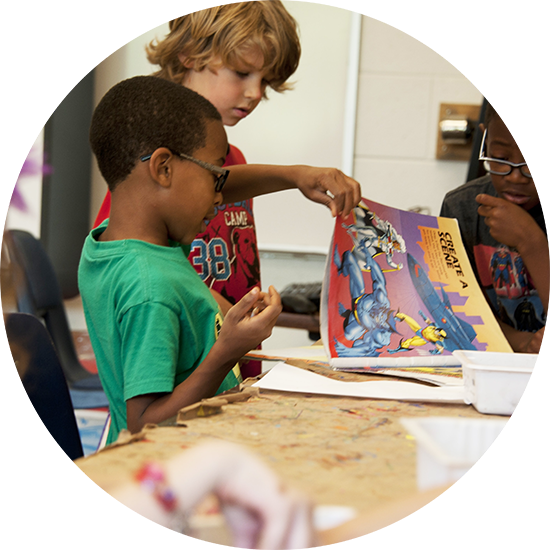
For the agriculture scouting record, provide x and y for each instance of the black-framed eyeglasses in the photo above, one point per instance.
(220, 173)
(498, 166)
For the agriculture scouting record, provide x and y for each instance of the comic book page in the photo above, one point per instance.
(399, 291)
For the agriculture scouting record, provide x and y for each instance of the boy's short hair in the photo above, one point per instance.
(141, 114)
(224, 31)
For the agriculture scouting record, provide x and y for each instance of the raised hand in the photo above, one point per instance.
(251, 320)
(508, 223)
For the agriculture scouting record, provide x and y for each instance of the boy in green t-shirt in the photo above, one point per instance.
(158, 336)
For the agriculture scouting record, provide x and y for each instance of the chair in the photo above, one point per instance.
(43, 379)
(39, 294)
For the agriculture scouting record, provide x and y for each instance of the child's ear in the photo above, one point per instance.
(161, 166)
(185, 61)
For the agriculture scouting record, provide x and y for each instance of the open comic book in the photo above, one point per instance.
(399, 291)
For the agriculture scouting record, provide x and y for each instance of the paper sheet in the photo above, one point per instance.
(283, 377)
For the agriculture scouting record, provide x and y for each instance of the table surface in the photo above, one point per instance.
(341, 451)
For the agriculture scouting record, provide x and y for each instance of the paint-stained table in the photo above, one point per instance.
(341, 451)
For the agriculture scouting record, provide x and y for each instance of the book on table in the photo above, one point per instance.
(399, 291)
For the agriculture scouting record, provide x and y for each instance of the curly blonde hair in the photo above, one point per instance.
(227, 32)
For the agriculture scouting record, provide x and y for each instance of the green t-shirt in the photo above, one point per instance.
(151, 319)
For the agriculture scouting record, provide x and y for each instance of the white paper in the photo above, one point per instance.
(283, 377)
(341, 363)
(316, 354)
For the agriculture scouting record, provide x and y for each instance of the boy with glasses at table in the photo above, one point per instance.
(503, 230)
(158, 335)
(232, 55)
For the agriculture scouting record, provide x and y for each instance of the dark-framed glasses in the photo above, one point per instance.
(219, 173)
(500, 167)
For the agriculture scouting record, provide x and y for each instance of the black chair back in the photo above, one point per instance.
(43, 379)
(38, 293)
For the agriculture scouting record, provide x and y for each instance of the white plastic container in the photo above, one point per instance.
(447, 447)
(494, 381)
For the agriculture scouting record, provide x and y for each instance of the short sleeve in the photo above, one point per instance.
(454, 206)
(150, 340)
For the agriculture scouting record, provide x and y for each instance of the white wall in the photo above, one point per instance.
(401, 85)
(126, 62)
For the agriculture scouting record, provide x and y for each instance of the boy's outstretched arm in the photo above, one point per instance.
(327, 186)
(245, 326)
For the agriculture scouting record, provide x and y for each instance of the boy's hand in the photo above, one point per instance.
(330, 187)
(536, 341)
(530, 342)
(508, 223)
(260, 510)
(522, 341)
(251, 320)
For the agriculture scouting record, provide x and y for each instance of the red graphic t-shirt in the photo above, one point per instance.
(226, 254)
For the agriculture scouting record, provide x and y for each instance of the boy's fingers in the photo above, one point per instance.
(301, 533)
(488, 200)
(246, 302)
(332, 188)
(244, 525)
(278, 519)
(324, 197)
(343, 196)
(260, 308)
(275, 297)
(267, 315)
(484, 211)
(352, 195)
(272, 309)
(289, 523)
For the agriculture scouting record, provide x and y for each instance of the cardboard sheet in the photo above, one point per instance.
(283, 377)
(314, 353)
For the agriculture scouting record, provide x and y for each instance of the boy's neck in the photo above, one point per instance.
(134, 216)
